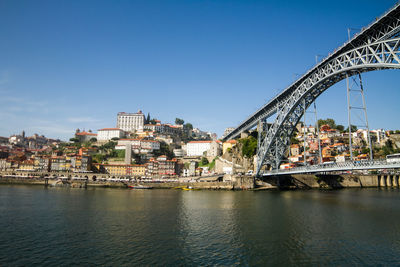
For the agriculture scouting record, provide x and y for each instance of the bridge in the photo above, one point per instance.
(375, 47)
(348, 166)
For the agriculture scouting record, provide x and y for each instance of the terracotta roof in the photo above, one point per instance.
(86, 133)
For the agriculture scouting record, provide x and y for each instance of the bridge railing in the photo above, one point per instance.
(337, 166)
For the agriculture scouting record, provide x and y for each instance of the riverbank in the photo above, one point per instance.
(319, 181)
(243, 183)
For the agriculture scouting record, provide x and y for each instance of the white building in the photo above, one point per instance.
(197, 148)
(138, 145)
(228, 131)
(107, 134)
(130, 121)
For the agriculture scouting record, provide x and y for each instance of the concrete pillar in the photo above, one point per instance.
(379, 180)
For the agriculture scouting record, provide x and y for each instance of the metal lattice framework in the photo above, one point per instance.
(376, 47)
(375, 56)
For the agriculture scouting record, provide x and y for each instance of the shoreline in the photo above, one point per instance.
(293, 182)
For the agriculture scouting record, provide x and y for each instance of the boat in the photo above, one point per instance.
(189, 188)
(140, 186)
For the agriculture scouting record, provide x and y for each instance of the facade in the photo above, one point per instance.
(107, 134)
(138, 145)
(42, 164)
(130, 122)
(228, 131)
(121, 169)
(228, 144)
(5, 164)
(197, 148)
(179, 153)
(215, 149)
(84, 136)
(161, 167)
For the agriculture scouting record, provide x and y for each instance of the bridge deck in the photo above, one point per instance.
(335, 167)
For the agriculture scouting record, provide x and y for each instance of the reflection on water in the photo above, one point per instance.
(59, 226)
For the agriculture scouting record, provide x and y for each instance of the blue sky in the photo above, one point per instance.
(75, 64)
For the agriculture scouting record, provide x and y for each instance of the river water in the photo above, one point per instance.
(63, 227)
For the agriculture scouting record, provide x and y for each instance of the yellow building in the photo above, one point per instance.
(138, 170)
(228, 144)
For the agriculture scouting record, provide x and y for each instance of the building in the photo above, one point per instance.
(42, 164)
(197, 148)
(138, 145)
(84, 136)
(107, 134)
(5, 164)
(161, 167)
(228, 145)
(121, 169)
(130, 122)
(228, 131)
(3, 140)
(215, 149)
(179, 152)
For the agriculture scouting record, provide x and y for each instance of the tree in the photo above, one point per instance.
(115, 138)
(353, 129)
(179, 121)
(204, 161)
(188, 126)
(94, 139)
(330, 122)
(148, 118)
(340, 127)
(74, 139)
(249, 146)
(164, 150)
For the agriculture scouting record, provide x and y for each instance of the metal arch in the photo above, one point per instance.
(375, 56)
(383, 28)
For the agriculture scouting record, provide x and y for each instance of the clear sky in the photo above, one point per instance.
(75, 64)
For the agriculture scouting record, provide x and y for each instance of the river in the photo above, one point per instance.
(97, 226)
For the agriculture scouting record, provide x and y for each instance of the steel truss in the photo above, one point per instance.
(384, 28)
(373, 56)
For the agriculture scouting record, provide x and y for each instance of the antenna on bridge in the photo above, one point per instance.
(361, 107)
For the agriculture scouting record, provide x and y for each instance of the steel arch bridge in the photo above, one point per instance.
(376, 47)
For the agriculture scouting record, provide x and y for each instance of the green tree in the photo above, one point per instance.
(115, 138)
(188, 126)
(164, 150)
(94, 139)
(98, 158)
(249, 146)
(340, 127)
(204, 161)
(148, 118)
(74, 139)
(353, 129)
(330, 122)
(179, 121)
